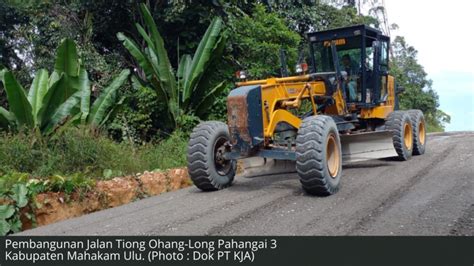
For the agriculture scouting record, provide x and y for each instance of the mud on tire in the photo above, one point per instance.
(400, 124)
(207, 171)
(419, 131)
(319, 156)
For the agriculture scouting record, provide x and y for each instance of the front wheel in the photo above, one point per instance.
(206, 166)
(319, 156)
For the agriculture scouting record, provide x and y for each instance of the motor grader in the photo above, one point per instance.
(341, 106)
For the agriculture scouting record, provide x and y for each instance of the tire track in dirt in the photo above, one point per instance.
(227, 227)
(224, 205)
(396, 195)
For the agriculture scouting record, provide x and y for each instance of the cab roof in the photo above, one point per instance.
(345, 32)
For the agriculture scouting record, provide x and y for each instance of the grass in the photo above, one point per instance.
(77, 151)
(71, 162)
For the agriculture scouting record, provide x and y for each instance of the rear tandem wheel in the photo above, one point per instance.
(419, 131)
(400, 124)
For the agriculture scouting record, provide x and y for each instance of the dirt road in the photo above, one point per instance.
(431, 194)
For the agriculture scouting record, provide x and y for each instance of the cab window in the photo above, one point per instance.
(384, 56)
(348, 53)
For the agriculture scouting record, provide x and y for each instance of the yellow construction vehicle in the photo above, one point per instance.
(342, 106)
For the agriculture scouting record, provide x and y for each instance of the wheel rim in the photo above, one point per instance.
(333, 159)
(408, 136)
(421, 132)
(222, 165)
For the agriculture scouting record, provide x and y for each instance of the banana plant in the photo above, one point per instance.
(187, 90)
(57, 99)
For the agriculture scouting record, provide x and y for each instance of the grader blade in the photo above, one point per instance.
(355, 148)
(258, 166)
(367, 146)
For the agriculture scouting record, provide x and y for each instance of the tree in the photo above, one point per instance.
(186, 91)
(31, 30)
(35, 28)
(256, 42)
(419, 93)
(305, 16)
(9, 18)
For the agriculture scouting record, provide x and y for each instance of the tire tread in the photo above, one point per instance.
(310, 157)
(199, 158)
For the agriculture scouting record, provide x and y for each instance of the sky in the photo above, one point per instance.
(442, 32)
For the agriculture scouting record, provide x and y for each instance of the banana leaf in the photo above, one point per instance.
(143, 60)
(162, 94)
(67, 123)
(106, 100)
(135, 51)
(17, 100)
(67, 60)
(183, 69)
(82, 85)
(165, 69)
(57, 94)
(38, 90)
(145, 36)
(6, 118)
(53, 78)
(209, 99)
(202, 57)
(66, 111)
(205, 82)
(113, 111)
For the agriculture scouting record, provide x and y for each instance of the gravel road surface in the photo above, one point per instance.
(431, 194)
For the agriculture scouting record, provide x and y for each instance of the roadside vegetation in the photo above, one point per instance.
(97, 89)
(79, 151)
(70, 162)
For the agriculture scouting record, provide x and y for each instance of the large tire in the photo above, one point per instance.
(399, 123)
(419, 131)
(319, 156)
(206, 170)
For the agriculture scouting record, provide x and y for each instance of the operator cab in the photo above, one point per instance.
(357, 56)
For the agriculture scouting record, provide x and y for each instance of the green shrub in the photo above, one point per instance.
(17, 190)
(78, 151)
(70, 162)
(16, 198)
(138, 121)
(169, 153)
(21, 153)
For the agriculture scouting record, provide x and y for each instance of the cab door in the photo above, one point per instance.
(381, 67)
